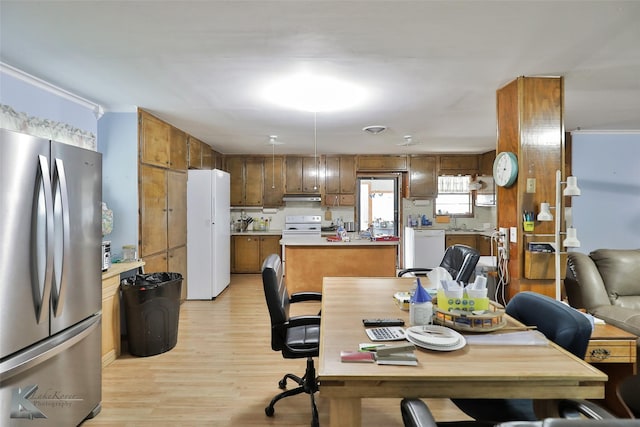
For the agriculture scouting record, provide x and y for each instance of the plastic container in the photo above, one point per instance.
(420, 313)
(129, 253)
(151, 308)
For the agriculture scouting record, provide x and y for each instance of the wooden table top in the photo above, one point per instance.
(474, 371)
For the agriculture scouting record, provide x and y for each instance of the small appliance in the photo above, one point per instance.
(106, 255)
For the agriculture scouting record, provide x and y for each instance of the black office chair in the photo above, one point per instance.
(560, 323)
(628, 392)
(459, 260)
(574, 413)
(296, 337)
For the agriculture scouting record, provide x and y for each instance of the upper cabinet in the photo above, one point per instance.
(247, 180)
(273, 190)
(339, 180)
(387, 163)
(302, 175)
(460, 164)
(178, 149)
(486, 163)
(154, 137)
(195, 153)
(423, 177)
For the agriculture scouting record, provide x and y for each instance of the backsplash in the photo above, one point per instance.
(277, 219)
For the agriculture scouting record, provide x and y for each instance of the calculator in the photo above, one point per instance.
(386, 333)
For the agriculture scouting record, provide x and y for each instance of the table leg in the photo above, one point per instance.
(345, 412)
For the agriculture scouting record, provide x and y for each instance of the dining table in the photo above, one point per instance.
(493, 369)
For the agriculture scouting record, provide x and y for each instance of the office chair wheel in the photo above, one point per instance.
(269, 410)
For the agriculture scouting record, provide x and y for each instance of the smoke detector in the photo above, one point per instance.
(374, 129)
(408, 140)
(273, 140)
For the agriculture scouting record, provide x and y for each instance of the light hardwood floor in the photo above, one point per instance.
(223, 372)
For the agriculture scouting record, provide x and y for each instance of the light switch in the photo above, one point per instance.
(531, 185)
(513, 235)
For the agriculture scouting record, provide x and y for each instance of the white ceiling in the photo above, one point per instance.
(433, 66)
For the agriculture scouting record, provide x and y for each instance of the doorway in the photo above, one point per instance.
(378, 204)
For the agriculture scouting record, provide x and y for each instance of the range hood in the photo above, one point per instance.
(302, 198)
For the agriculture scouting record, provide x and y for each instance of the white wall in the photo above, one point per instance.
(118, 143)
(607, 213)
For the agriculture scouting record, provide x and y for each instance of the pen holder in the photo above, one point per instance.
(528, 225)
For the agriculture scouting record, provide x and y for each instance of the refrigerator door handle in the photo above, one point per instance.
(64, 227)
(42, 288)
(49, 348)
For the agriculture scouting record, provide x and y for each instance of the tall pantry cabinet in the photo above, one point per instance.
(162, 181)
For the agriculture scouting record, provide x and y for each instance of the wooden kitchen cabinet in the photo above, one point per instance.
(195, 153)
(153, 210)
(340, 180)
(178, 149)
(155, 137)
(301, 175)
(386, 163)
(485, 161)
(249, 252)
(273, 190)
(207, 157)
(460, 239)
(423, 177)
(463, 164)
(110, 319)
(247, 180)
(483, 245)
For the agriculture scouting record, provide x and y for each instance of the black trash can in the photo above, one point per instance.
(151, 308)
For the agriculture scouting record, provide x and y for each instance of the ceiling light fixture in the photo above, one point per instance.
(314, 93)
(374, 129)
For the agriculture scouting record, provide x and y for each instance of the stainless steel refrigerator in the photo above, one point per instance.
(208, 233)
(50, 282)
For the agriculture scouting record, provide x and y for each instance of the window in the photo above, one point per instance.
(454, 197)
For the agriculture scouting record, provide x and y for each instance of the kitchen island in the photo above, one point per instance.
(308, 260)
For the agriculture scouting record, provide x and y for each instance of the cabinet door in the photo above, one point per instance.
(195, 153)
(270, 245)
(461, 239)
(273, 182)
(348, 174)
(332, 175)
(382, 163)
(486, 163)
(207, 157)
(110, 319)
(347, 200)
(310, 175)
(483, 244)
(235, 167)
(293, 178)
(154, 140)
(177, 209)
(246, 254)
(423, 179)
(177, 263)
(179, 147)
(254, 181)
(459, 164)
(153, 210)
(155, 263)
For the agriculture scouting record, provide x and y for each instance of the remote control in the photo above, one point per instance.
(383, 322)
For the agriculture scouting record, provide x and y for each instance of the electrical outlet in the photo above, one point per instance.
(531, 185)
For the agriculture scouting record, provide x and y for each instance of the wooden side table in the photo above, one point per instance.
(613, 351)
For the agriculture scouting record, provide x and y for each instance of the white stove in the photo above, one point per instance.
(302, 225)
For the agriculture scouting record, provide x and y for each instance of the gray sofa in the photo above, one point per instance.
(607, 284)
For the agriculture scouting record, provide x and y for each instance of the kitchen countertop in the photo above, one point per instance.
(257, 233)
(322, 241)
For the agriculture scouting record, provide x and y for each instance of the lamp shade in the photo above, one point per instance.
(572, 240)
(545, 213)
(572, 187)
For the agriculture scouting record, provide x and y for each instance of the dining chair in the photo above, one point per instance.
(459, 260)
(559, 323)
(295, 337)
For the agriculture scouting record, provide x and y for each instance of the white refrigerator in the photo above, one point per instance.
(208, 233)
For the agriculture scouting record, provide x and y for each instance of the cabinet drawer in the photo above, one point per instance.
(611, 351)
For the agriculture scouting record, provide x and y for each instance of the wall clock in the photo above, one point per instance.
(505, 169)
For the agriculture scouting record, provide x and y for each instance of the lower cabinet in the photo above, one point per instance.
(481, 243)
(249, 252)
(110, 319)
